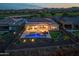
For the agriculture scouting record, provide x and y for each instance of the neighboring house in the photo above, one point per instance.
(11, 24)
(11, 28)
(70, 23)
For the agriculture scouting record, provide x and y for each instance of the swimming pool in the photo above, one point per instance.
(34, 35)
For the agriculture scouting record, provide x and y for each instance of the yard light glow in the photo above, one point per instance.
(33, 40)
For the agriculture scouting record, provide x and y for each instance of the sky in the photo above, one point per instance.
(36, 5)
(59, 5)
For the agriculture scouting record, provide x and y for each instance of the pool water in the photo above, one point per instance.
(34, 35)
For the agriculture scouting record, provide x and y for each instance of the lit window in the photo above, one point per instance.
(54, 27)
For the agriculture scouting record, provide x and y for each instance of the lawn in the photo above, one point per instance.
(66, 37)
(58, 14)
(55, 34)
(76, 33)
(4, 37)
(38, 15)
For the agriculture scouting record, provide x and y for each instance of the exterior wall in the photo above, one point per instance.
(41, 51)
(32, 51)
(73, 27)
(4, 27)
(67, 23)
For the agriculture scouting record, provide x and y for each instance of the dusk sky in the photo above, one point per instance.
(59, 5)
(36, 5)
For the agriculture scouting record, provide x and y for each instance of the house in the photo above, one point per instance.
(9, 24)
(70, 23)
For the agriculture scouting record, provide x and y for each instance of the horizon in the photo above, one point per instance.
(4, 6)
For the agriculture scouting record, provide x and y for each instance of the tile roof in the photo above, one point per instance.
(10, 21)
(40, 20)
(71, 20)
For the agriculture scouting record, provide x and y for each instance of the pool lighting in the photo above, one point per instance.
(33, 40)
(24, 40)
(14, 33)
